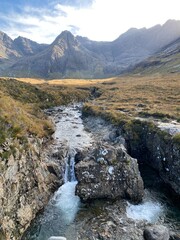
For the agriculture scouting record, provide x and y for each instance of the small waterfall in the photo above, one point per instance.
(69, 175)
(65, 199)
(58, 217)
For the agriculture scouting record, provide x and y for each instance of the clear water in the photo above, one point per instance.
(58, 217)
(61, 211)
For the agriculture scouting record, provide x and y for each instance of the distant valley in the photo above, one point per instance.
(78, 57)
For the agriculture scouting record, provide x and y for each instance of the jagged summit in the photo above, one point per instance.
(28, 47)
(79, 57)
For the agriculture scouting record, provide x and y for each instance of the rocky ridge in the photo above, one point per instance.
(78, 57)
(29, 176)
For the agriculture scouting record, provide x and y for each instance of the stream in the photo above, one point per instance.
(66, 216)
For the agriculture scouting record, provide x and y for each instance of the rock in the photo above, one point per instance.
(156, 232)
(79, 156)
(57, 238)
(175, 236)
(27, 181)
(109, 172)
(156, 148)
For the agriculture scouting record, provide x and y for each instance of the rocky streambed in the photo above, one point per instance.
(103, 194)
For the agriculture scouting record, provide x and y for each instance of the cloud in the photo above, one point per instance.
(43, 24)
(101, 20)
(76, 3)
(38, 24)
(40, 12)
(73, 29)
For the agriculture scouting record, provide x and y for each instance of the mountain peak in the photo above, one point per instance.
(172, 21)
(66, 35)
(65, 39)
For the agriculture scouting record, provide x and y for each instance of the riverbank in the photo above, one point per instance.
(23, 124)
(99, 219)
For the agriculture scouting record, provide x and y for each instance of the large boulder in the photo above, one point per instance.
(156, 232)
(109, 172)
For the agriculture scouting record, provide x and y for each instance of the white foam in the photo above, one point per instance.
(67, 201)
(111, 170)
(148, 210)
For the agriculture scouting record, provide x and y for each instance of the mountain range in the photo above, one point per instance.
(78, 57)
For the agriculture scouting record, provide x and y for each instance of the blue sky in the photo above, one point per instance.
(102, 20)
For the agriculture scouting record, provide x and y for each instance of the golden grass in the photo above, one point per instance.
(157, 96)
(69, 82)
(32, 80)
(21, 104)
(20, 117)
(153, 95)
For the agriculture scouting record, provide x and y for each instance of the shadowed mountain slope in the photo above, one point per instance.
(78, 57)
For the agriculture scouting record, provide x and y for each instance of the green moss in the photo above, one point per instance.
(5, 155)
(176, 139)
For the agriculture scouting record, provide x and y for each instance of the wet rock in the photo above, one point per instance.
(27, 180)
(158, 149)
(57, 238)
(109, 172)
(175, 236)
(79, 156)
(156, 232)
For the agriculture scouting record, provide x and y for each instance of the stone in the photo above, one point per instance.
(175, 236)
(57, 238)
(109, 172)
(156, 148)
(156, 232)
(26, 184)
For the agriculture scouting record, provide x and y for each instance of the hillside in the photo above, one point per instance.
(65, 57)
(21, 107)
(78, 57)
(165, 61)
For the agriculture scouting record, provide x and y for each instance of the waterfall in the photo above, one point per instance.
(69, 175)
(58, 217)
(65, 199)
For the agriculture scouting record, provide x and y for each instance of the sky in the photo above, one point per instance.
(100, 20)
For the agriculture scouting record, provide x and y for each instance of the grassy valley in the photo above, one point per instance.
(119, 99)
(154, 96)
(21, 106)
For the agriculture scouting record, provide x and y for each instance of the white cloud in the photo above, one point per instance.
(104, 20)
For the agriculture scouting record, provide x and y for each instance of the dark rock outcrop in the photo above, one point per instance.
(109, 172)
(28, 179)
(156, 232)
(157, 148)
